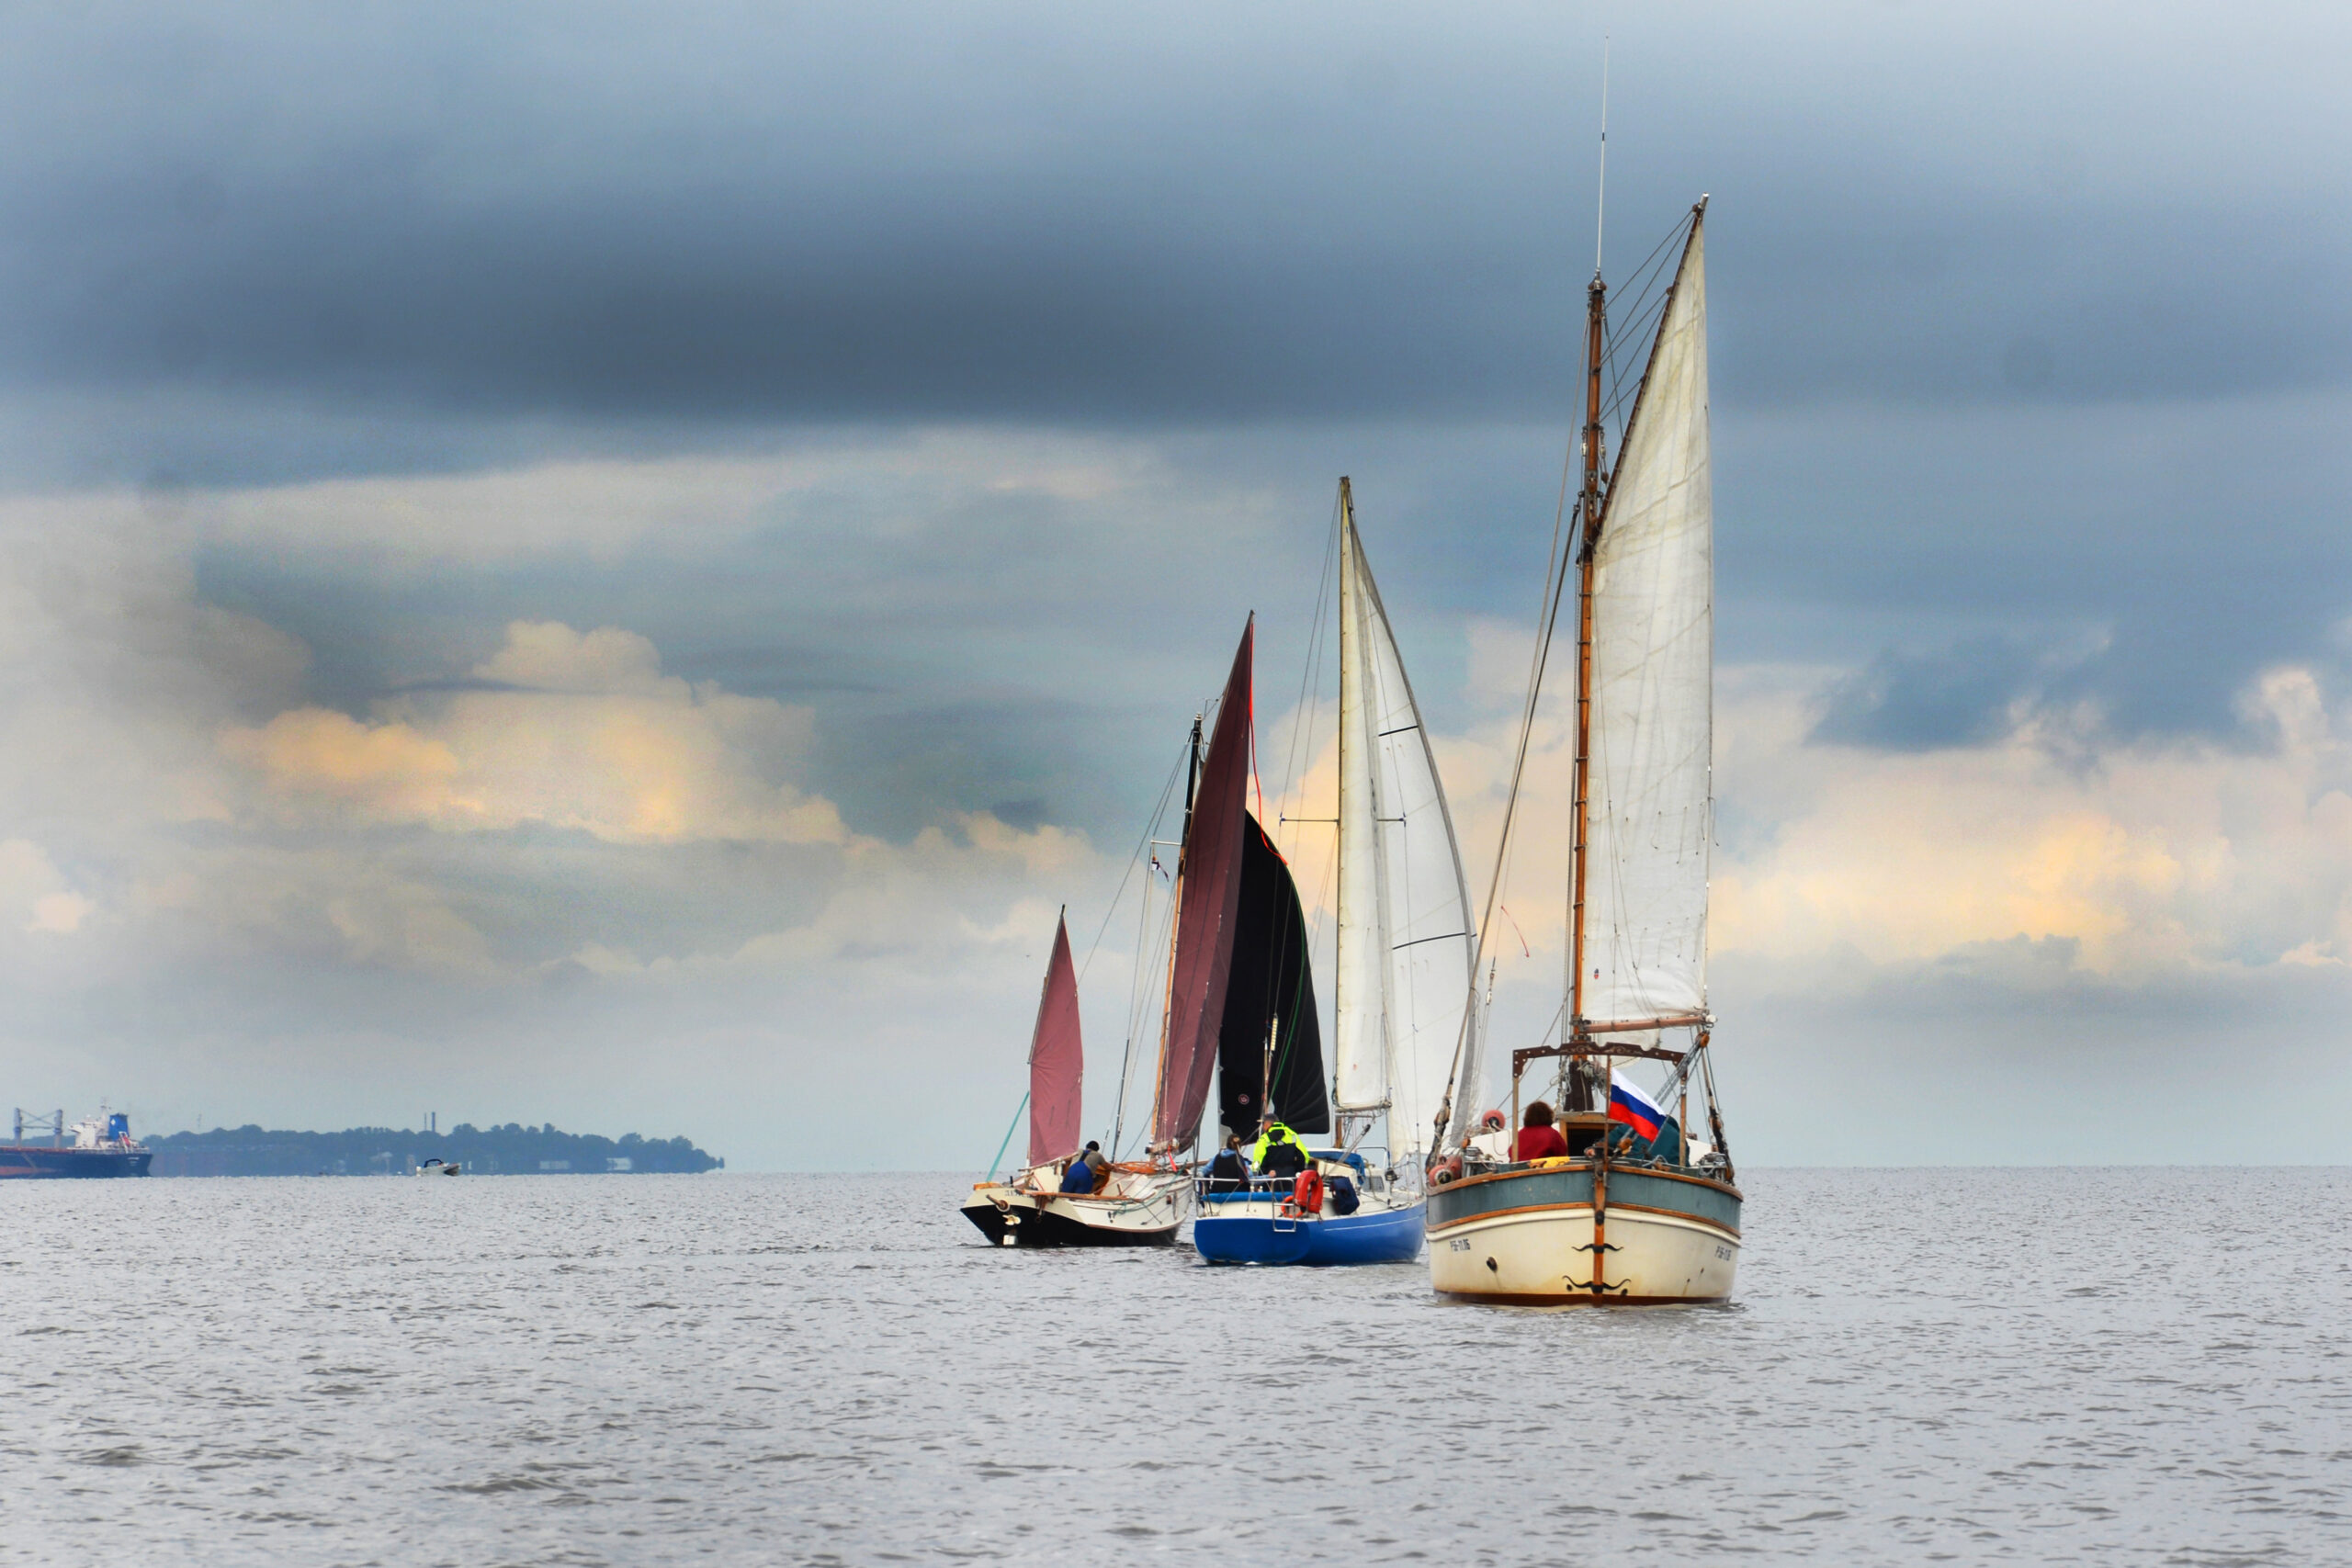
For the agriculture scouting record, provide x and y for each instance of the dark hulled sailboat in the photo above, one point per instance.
(1129, 1207)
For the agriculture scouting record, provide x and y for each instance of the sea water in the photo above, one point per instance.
(1973, 1366)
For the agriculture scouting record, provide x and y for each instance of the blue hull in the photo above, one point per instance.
(1387, 1235)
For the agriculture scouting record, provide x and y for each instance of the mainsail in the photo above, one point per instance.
(1269, 1014)
(1210, 889)
(1057, 1059)
(1406, 946)
(1644, 950)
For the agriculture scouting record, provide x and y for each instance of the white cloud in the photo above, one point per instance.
(35, 895)
(2141, 856)
(581, 731)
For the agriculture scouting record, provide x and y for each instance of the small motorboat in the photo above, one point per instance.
(440, 1168)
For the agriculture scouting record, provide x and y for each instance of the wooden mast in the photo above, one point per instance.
(1175, 919)
(1589, 535)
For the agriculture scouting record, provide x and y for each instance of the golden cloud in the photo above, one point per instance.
(577, 730)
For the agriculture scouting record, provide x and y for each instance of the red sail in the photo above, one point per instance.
(1212, 869)
(1057, 1059)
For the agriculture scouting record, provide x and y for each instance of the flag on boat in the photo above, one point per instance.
(1628, 1104)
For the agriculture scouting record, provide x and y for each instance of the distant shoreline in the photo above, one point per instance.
(510, 1150)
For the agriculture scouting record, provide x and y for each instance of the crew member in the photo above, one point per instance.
(1278, 1153)
(1538, 1139)
(1229, 1171)
(1085, 1170)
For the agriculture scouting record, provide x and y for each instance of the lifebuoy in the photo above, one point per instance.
(1306, 1192)
(1445, 1170)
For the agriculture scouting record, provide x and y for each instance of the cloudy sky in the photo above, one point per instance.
(617, 565)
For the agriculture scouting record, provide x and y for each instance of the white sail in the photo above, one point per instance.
(1405, 938)
(1650, 823)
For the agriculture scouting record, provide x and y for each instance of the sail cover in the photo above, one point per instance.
(1645, 952)
(1406, 946)
(1057, 1059)
(1270, 1002)
(1211, 870)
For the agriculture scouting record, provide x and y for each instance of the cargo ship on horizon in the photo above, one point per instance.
(102, 1146)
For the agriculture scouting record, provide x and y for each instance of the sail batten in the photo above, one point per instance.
(1650, 823)
(1404, 939)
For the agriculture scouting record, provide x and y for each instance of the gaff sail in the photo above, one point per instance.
(1269, 1014)
(1406, 946)
(1649, 824)
(1057, 1059)
(1210, 877)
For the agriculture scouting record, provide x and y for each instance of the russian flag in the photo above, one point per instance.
(1628, 1104)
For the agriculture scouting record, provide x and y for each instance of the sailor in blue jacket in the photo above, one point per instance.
(1085, 1170)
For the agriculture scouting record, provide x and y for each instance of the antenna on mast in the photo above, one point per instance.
(1601, 200)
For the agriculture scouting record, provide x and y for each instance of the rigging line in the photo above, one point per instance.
(1007, 1135)
(1142, 856)
(1301, 729)
(1547, 620)
(1631, 325)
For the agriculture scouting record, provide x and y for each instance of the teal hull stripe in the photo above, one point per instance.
(1554, 1188)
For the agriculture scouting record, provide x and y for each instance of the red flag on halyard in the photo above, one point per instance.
(1057, 1059)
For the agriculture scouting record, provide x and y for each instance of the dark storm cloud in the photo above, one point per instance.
(1062, 213)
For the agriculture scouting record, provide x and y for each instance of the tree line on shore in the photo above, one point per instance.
(510, 1150)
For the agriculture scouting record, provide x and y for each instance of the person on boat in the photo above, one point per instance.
(1229, 1171)
(1278, 1153)
(1538, 1139)
(1085, 1170)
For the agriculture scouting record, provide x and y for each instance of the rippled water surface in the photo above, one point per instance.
(2115, 1366)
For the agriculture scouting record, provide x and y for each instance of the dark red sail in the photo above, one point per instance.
(1057, 1059)
(1212, 876)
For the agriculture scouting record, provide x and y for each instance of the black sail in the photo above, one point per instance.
(1273, 984)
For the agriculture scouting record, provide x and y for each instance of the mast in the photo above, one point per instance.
(1340, 932)
(1175, 922)
(1589, 535)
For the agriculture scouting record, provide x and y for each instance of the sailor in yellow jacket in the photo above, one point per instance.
(1279, 1145)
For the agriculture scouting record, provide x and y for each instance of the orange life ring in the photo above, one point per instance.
(1445, 1170)
(1306, 1192)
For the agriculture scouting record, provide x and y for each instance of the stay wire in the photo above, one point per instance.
(1141, 856)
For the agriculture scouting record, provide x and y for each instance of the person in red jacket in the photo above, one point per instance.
(1538, 1139)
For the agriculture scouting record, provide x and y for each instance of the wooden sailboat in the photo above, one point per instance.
(1405, 950)
(1129, 1206)
(1634, 1213)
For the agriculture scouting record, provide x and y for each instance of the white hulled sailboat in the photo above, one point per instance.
(1633, 1213)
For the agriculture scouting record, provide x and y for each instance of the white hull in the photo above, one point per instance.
(1539, 1253)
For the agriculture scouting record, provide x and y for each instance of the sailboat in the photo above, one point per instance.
(1130, 1206)
(1634, 1213)
(1240, 1005)
(1403, 979)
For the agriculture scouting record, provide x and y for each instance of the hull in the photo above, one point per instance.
(1138, 1212)
(1524, 1237)
(25, 1163)
(1251, 1231)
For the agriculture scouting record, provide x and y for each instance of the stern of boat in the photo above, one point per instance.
(1523, 1236)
